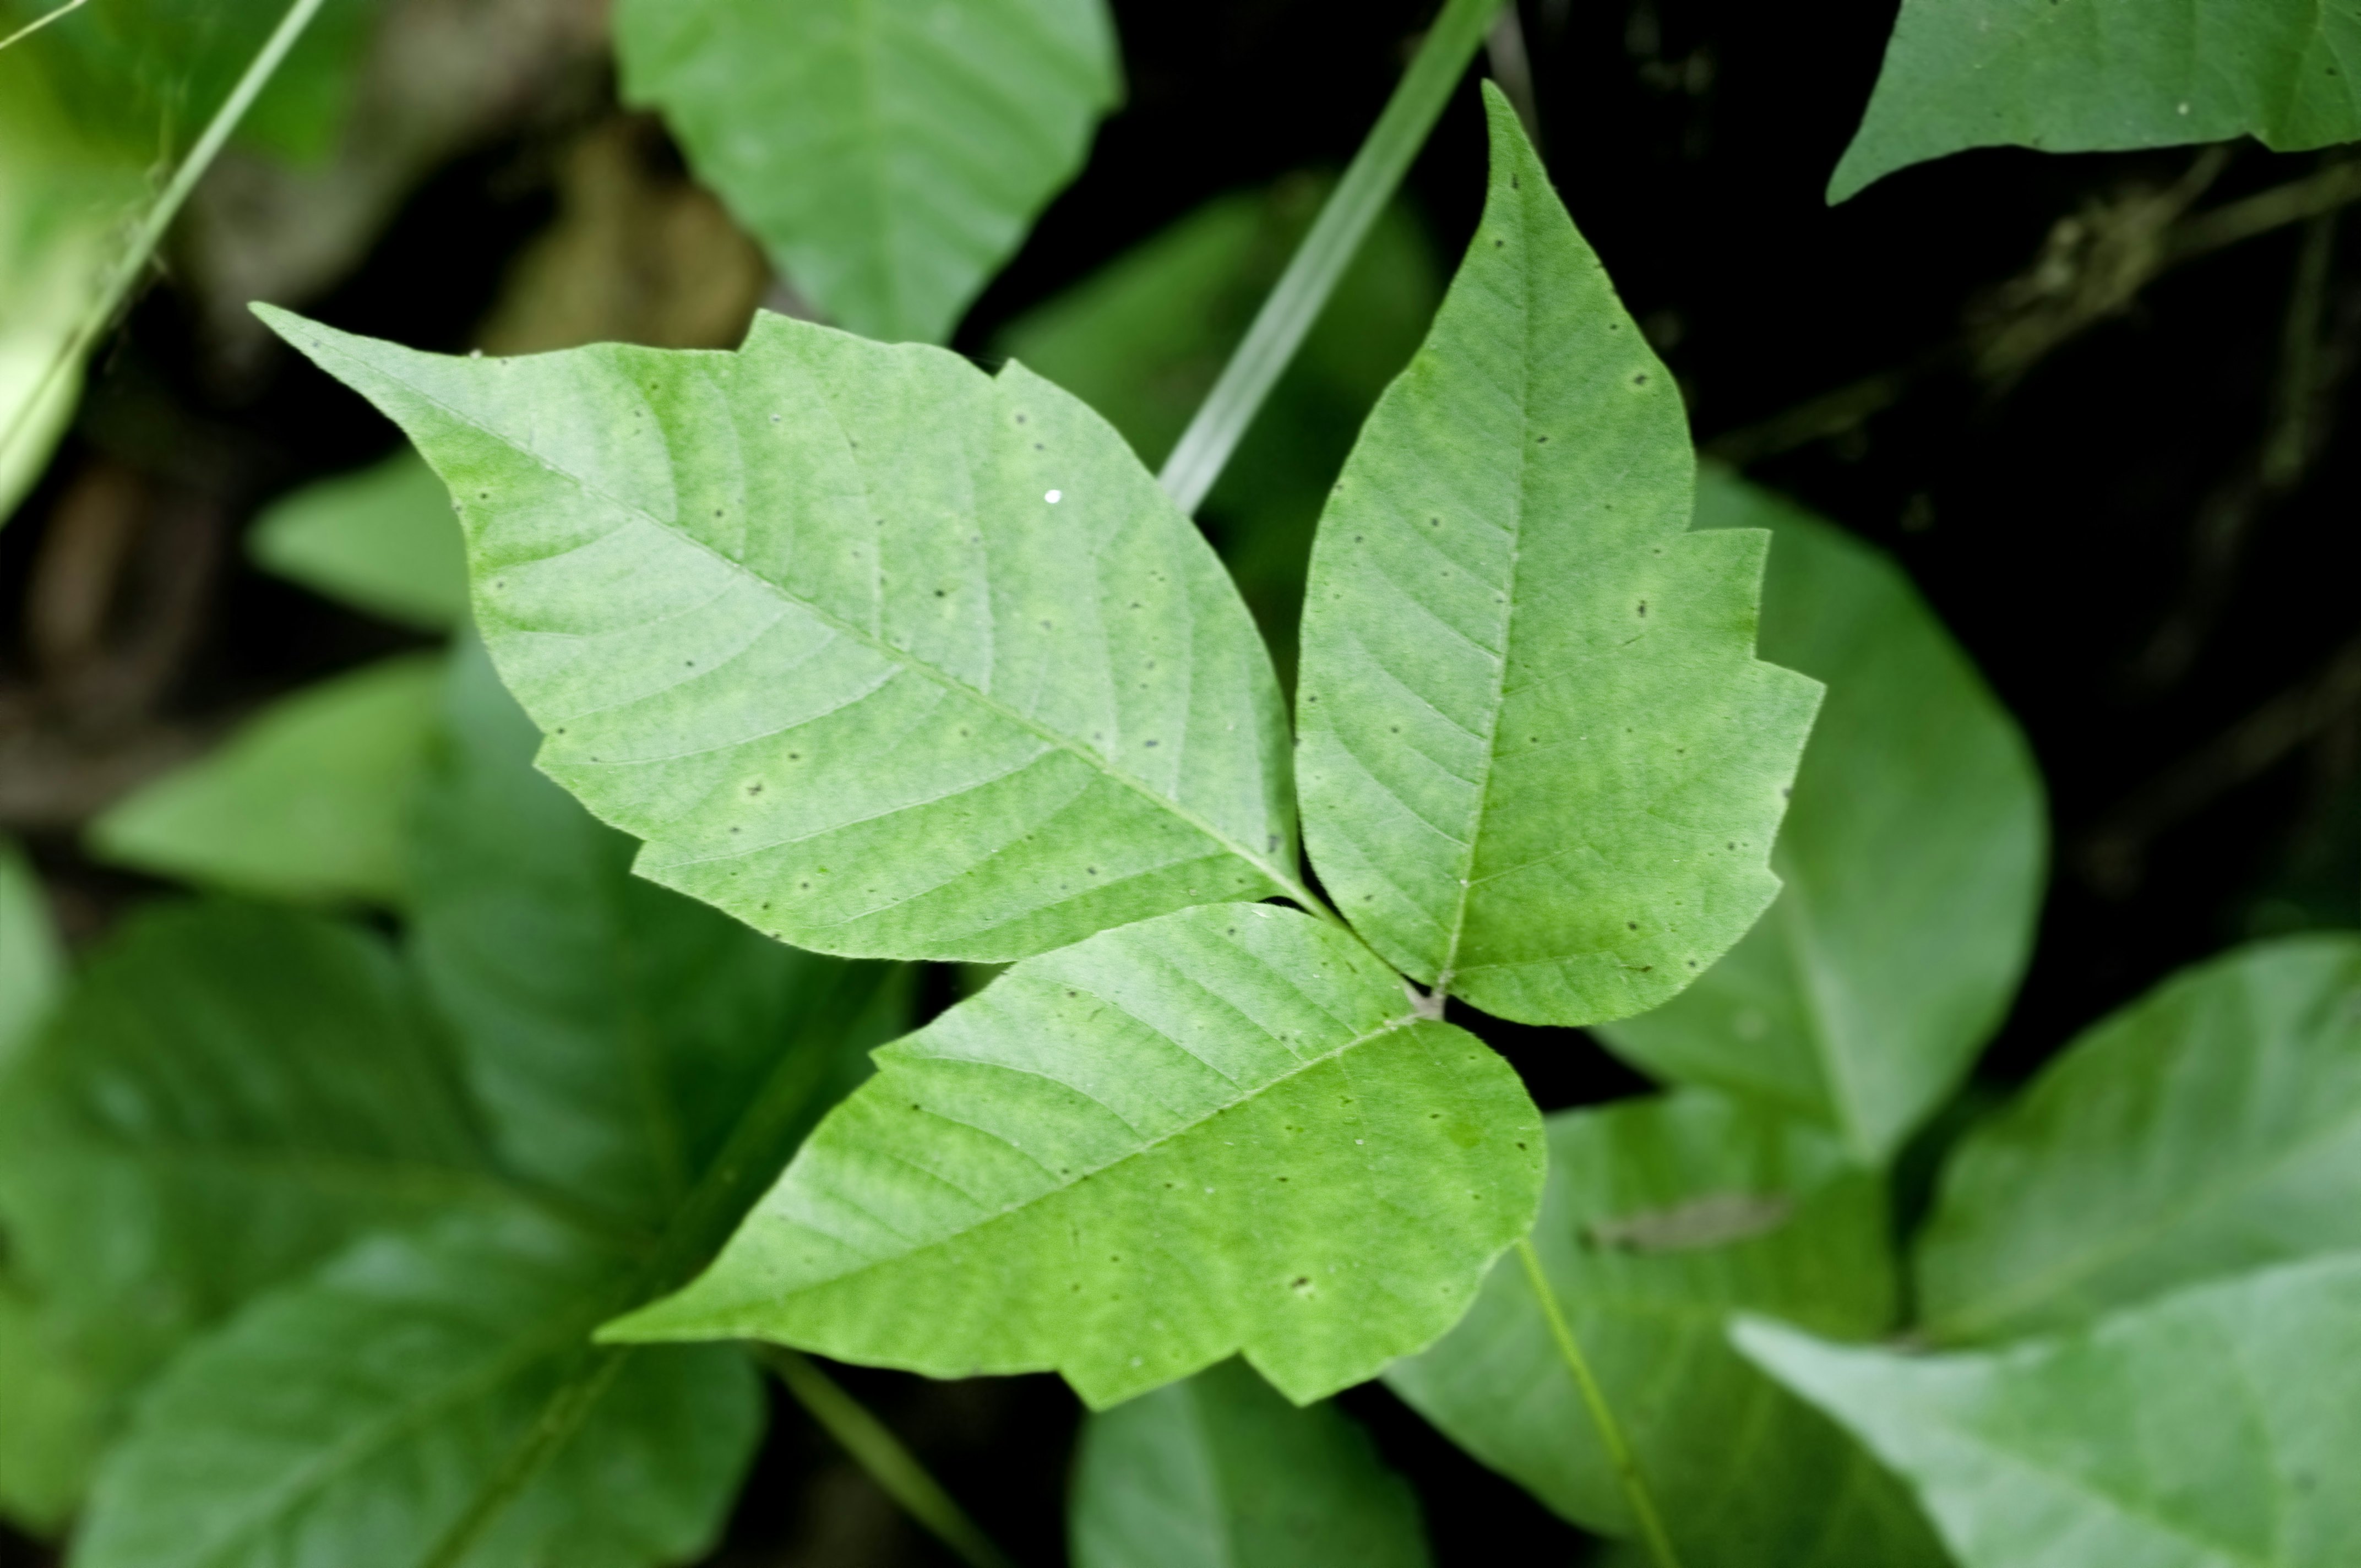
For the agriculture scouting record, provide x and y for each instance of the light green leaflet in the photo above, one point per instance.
(889, 157)
(1541, 767)
(1218, 1131)
(382, 539)
(2102, 75)
(228, 1095)
(309, 801)
(2214, 1429)
(878, 653)
(1911, 859)
(614, 1029)
(2212, 1126)
(357, 1417)
(32, 968)
(1219, 1472)
(1663, 1216)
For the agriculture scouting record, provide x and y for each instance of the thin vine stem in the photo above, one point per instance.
(1602, 1415)
(1302, 290)
(43, 20)
(150, 234)
(877, 1451)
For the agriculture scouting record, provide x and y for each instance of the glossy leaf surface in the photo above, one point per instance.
(357, 1418)
(1663, 1217)
(382, 539)
(229, 1094)
(880, 654)
(614, 1031)
(1218, 1471)
(890, 157)
(2105, 75)
(309, 801)
(1215, 1131)
(2213, 1429)
(1910, 859)
(2210, 1127)
(1540, 766)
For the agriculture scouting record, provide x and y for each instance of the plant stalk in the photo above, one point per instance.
(1610, 1430)
(1311, 273)
(43, 20)
(151, 231)
(877, 1451)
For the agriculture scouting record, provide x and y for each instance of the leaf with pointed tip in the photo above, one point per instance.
(881, 654)
(1910, 859)
(2213, 1429)
(1217, 1130)
(309, 801)
(613, 1030)
(2103, 76)
(2212, 1126)
(890, 157)
(1219, 1472)
(382, 540)
(1663, 1216)
(229, 1094)
(1541, 765)
(358, 1416)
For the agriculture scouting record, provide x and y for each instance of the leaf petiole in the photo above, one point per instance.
(879, 1452)
(1602, 1415)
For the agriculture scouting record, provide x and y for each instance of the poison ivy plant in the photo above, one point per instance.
(2105, 75)
(309, 802)
(890, 157)
(2209, 1429)
(2212, 1127)
(381, 539)
(887, 656)
(1911, 859)
(1142, 340)
(1663, 1216)
(1219, 1472)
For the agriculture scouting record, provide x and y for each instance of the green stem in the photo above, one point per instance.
(877, 1451)
(1312, 274)
(168, 207)
(1610, 1430)
(37, 23)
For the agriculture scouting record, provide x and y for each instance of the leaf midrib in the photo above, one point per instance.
(1303, 1065)
(1290, 885)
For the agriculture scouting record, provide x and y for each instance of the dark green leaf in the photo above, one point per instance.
(230, 1093)
(1218, 1131)
(2212, 1126)
(354, 1419)
(882, 655)
(2104, 75)
(382, 539)
(1664, 1215)
(2214, 1429)
(53, 1416)
(309, 801)
(1911, 858)
(1219, 1472)
(889, 157)
(1540, 766)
